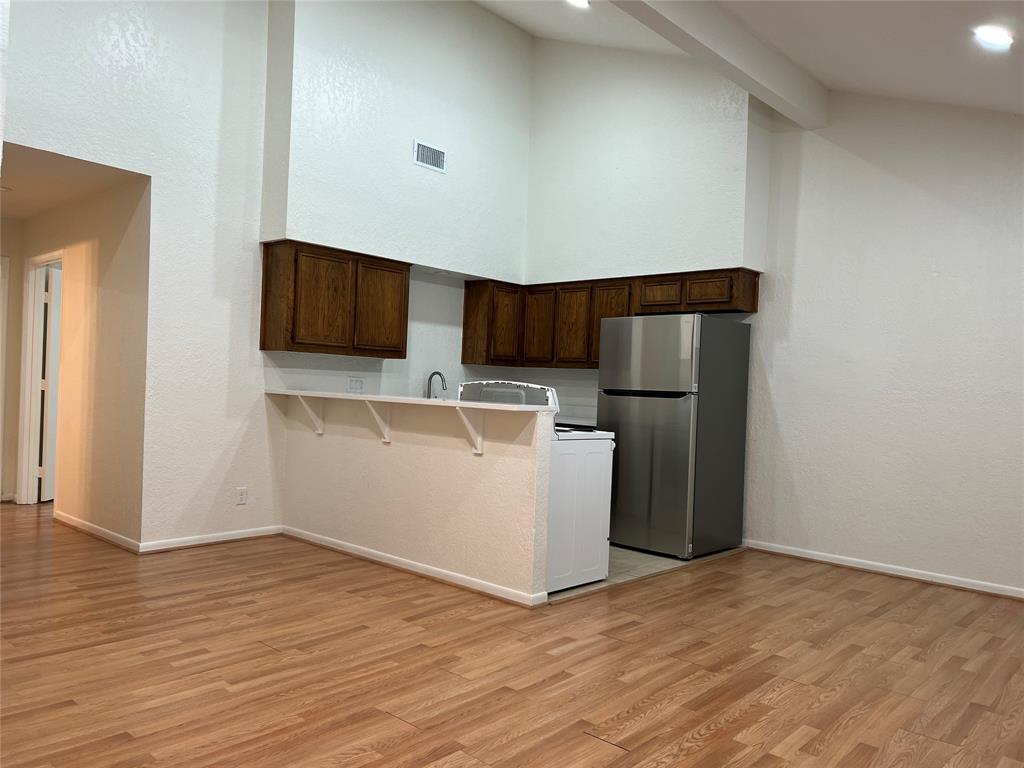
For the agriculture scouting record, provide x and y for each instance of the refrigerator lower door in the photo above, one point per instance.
(653, 470)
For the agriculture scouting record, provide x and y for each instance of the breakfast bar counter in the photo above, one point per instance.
(450, 489)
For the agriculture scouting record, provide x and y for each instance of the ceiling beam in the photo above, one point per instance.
(707, 32)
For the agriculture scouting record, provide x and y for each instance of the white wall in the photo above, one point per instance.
(757, 205)
(101, 394)
(370, 78)
(277, 126)
(887, 382)
(12, 247)
(541, 185)
(637, 165)
(174, 91)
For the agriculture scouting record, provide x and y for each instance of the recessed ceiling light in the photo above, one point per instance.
(993, 37)
(579, 3)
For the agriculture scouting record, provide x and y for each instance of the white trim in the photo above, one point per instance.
(891, 570)
(162, 545)
(31, 361)
(7, 497)
(95, 530)
(522, 598)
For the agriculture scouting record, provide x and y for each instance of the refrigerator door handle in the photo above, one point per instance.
(645, 393)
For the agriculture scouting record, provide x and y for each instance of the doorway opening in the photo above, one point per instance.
(75, 248)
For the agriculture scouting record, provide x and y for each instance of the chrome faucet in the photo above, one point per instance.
(430, 384)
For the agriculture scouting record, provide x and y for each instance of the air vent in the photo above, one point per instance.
(429, 157)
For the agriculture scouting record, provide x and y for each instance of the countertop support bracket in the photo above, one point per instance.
(383, 422)
(474, 426)
(315, 413)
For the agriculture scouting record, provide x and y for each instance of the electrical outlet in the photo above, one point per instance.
(242, 494)
(356, 385)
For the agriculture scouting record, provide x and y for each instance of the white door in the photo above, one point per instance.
(50, 377)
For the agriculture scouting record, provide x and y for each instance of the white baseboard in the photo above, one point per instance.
(102, 533)
(162, 545)
(892, 570)
(478, 585)
(7, 497)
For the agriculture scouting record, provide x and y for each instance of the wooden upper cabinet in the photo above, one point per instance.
(539, 325)
(733, 290)
(323, 286)
(714, 290)
(382, 306)
(326, 300)
(609, 300)
(505, 325)
(492, 323)
(572, 325)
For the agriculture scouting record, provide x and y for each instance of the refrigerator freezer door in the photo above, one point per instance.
(653, 470)
(658, 353)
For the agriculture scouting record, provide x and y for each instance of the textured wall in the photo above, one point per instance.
(425, 497)
(370, 79)
(101, 395)
(637, 165)
(12, 247)
(174, 91)
(887, 383)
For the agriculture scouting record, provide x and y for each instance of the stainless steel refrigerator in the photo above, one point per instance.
(673, 389)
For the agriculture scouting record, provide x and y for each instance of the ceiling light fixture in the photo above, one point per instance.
(993, 37)
(579, 3)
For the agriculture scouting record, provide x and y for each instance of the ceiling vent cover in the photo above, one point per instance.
(430, 157)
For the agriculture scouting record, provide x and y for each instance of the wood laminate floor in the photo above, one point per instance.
(272, 652)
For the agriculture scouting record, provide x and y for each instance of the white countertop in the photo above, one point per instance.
(398, 399)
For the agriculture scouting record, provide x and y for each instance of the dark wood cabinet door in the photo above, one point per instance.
(539, 326)
(733, 290)
(709, 290)
(476, 322)
(323, 300)
(572, 325)
(382, 305)
(661, 293)
(610, 300)
(505, 324)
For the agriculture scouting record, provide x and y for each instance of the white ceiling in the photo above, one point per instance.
(39, 180)
(917, 49)
(600, 24)
(914, 49)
